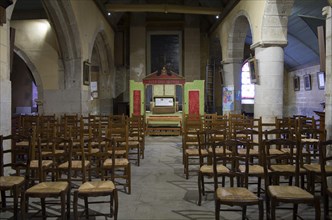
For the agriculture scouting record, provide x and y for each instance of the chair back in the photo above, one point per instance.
(291, 158)
(12, 157)
(232, 161)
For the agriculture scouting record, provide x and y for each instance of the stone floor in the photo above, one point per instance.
(161, 192)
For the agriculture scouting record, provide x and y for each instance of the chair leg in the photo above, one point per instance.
(326, 206)
(129, 179)
(63, 206)
(116, 204)
(3, 199)
(273, 209)
(295, 207)
(317, 207)
(259, 186)
(43, 207)
(24, 207)
(86, 206)
(199, 189)
(217, 209)
(261, 209)
(75, 205)
(15, 197)
(244, 212)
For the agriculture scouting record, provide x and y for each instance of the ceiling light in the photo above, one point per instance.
(109, 13)
(217, 16)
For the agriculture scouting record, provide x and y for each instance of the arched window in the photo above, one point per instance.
(247, 88)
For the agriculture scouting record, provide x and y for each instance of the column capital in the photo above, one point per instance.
(231, 60)
(275, 43)
(326, 11)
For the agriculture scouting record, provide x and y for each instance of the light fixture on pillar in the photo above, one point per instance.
(4, 4)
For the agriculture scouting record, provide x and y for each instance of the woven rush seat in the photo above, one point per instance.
(45, 163)
(195, 152)
(117, 152)
(285, 168)
(275, 152)
(287, 150)
(312, 140)
(315, 167)
(239, 193)
(251, 152)
(48, 188)
(75, 164)
(47, 153)
(9, 181)
(209, 169)
(220, 151)
(289, 192)
(118, 162)
(253, 169)
(96, 186)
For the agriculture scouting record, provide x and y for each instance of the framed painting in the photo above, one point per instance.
(321, 80)
(307, 82)
(252, 63)
(86, 73)
(296, 82)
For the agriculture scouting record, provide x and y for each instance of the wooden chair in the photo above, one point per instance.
(234, 194)
(309, 140)
(14, 184)
(326, 172)
(205, 141)
(122, 176)
(74, 165)
(134, 139)
(99, 188)
(276, 192)
(254, 139)
(193, 123)
(45, 189)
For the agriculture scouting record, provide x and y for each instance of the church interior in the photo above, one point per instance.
(177, 109)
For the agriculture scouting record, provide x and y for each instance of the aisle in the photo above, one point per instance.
(159, 189)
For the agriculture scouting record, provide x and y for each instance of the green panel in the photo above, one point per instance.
(136, 86)
(195, 85)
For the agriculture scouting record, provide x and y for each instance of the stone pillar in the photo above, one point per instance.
(5, 84)
(232, 77)
(269, 89)
(327, 11)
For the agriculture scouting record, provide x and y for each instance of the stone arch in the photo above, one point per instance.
(237, 35)
(63, 19)
(35, 75)
(101, 56)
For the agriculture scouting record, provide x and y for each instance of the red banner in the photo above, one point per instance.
(137, 102)
(194, 102)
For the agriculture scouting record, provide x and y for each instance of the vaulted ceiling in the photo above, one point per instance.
(302, 49)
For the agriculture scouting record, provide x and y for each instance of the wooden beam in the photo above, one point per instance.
(162, 8)
(321, 45)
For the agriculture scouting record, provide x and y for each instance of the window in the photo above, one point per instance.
(247, 89)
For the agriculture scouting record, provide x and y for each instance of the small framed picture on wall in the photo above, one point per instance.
(321, 80)
(296, 82)
(307, 82)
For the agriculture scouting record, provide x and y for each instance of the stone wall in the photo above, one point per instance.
(302, 102)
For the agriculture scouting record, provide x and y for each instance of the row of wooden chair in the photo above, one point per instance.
(88, 141)
(231, 159)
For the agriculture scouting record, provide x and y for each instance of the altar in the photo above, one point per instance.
(164, 98)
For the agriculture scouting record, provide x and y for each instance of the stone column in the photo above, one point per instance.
(327, 11)
(269, 89)
(232, 77)
(5, 84)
